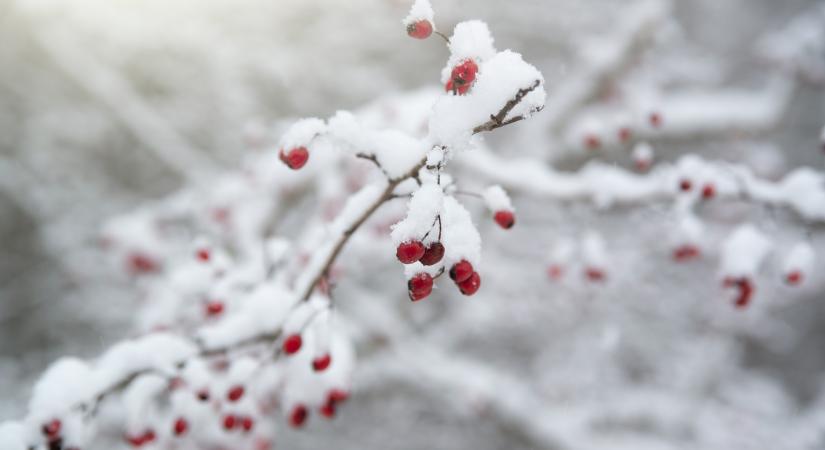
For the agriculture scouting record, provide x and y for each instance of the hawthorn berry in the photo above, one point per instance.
(410, 251)
(685, 185)
(592, 142)
(229, 422)
(292, 344)
(421, 29)
(708, 191)
(140, 440)
(470, 285)
(295, 158)
(247, 423)
(625, 134)
(420, 286)
(594, 274)
(685, 252)
(52, 429)
(214, 308)
(461, 271)
(327, 409)
(555, 271)
(655, 119)
(140, 263)
(298, 416)
(235, 393)
(505, 219)
(794, 277)
(462, 77)
(432, 254)
(322, 362)
(181, 425)
(203, 254)
(745, 290)
(337, 395)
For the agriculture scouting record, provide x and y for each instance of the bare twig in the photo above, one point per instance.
(499, 119)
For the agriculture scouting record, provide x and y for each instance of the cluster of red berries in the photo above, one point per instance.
(51, 431)
(299, 414)
(294, 158)
(421, 29)
(293, 343)
(745, 289)
(421, 284)
(462, 77)
(139, 440)
(234, 421)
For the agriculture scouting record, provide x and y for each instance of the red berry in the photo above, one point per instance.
(592, 142)
(410, 251)
(52, 429)
(292, 344)
(322, 362)
(328, 409)
(708, 192)
(421, 29)
(142, 263)
(470, 285)
(420, 286)
(555, 271)
(745, 290)
(229, 422)
(461, 271)
(655, 119)
(203, 255)
(181, 425)
(462, 77)
(642, 164)
(247, 423)
(505, 219)
(214, 308)
(685, 185)
(594, 274)
(794, 277)
(685, 252)
(337, 396)
(295, 158)
(298, 416)
(449, 86)
(625, 134)
(235, 393)
(148, 436)
(432, 254)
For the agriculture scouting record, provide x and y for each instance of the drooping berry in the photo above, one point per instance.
(338, 395)
(292, 344)
(410, 251)
(203, 254)
(555, 271)
(140, 263)
(708, 191)
(745, 290)
(235, 393)
(420, 286)
(52, 429)
(298, 416)
(247, 423)
(295, 158)
(322, 362)
(793, 277)
(594, 274)
(214, 308)
(229, 422)
(505, 219)
(685, 253)
(685, 185)
(421, 29)
(470, 285)
(327, 409)
(432, 254)
(462, 77)
(181, 425)
(461, 271)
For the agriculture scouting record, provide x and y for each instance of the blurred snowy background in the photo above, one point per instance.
(108, 104)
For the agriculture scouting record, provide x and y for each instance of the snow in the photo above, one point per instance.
(594, 250)
(460, 237)
(743, 252)
(422, 210)
(496, 199)
(65, 383)
(157, 351)
(12, 436)
(301, 133)
(420, 10)
(470, 40)
(800, 258)
(643, 153)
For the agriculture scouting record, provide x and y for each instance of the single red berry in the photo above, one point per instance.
(292, 344)
(327, 409)
(247, 423)
(625, 134)
(203, 254)
(148, 436)
(432, 254)
(295, 158)
(708, 192)
(134, 441)
(421, 29)
(794, 277)
(298, 416)
(462, 77)
(420, 286)
(410, 251)
(592, 142)
(470, 285)
(685, 252)
(142, 263)
(594, 274)
(235, 393)
(322, 362)
(337, 395)
(555, 271)
(214, 308)
(685, 185)
(745, 295)
(655, 119)
(229, 422)
(181, 425)
(52, 429)
(505, 219)
(461, 271)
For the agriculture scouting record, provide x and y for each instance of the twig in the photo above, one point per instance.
(498, 120)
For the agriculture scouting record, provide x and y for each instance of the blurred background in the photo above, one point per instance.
(96, 95)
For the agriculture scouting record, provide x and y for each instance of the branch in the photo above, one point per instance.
(498, 120)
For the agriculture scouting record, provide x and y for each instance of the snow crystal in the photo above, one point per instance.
(496, 199)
